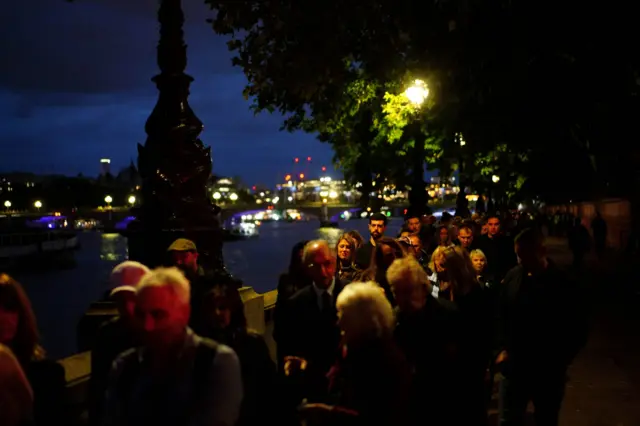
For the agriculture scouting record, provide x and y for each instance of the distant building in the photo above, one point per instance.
(105, 166)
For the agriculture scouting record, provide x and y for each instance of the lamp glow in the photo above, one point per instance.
(417, 93)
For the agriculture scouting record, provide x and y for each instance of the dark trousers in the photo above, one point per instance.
(544, 390)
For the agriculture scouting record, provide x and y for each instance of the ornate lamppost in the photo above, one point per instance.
(173, 163)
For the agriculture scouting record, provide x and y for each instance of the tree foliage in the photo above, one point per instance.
(521, 81)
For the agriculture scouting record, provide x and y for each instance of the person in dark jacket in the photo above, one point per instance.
(114, 336)
(541, 324)
(432, 359)
(498, 248)
(224, 321)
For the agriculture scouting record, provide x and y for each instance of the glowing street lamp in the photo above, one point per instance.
(7, 204)
(38, 204)
(216, 196)
(132, 200)
(417, 93)
(495, 178)
(233, 197)
(108, 199)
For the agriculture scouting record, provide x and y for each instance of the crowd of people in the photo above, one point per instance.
(402, 330)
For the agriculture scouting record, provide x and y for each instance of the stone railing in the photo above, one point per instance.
(258, 309)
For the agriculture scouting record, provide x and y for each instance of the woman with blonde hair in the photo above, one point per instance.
(16, 396)
(346, 249)
(19, 332)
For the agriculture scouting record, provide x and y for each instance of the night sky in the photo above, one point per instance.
(75, 87)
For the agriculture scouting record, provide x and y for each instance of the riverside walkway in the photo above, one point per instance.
(604, 380)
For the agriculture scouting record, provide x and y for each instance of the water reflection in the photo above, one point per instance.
(113, 248)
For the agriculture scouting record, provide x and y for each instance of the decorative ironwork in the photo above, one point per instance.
(174, 164)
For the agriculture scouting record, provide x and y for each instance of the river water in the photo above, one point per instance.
(61, 297)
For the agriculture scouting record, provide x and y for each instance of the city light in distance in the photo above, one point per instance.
(309, 159)
(7, 204)
(132, 200)
(296, 160)
(37, 204)
(287, 178)
(324, 168)
(495, 178)
(301, 175)
(108, 199)
(290, 199)
(233, 196)
(216, 196)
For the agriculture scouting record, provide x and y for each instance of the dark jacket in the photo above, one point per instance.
(112, 338)
(541, 320)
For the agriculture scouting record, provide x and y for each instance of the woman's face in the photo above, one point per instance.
(219, 313)
(444, 235)
(344, 250)
(8, 326)
(479, 262)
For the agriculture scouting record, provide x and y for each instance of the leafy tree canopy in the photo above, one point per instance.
(518, 79)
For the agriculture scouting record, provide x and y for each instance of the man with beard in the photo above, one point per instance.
(377, 226)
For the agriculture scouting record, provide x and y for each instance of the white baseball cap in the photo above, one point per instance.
(126, 276)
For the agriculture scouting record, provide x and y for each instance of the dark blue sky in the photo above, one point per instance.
(75, 87)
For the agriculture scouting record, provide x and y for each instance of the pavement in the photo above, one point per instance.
(604, 380)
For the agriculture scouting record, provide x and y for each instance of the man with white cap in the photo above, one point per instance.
(116, 335)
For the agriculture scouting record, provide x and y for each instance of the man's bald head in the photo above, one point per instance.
(320, 262)
(311, 248)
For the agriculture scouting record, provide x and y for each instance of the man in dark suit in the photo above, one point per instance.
(310, 334)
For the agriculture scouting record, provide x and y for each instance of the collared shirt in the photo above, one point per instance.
(169, 399)
(320, 291)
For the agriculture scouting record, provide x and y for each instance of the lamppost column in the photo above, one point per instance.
(173, 163)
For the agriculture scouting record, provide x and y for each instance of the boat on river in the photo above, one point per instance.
(29, 245)
(241, 231)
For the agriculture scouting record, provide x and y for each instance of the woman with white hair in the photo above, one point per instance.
(371, 364)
